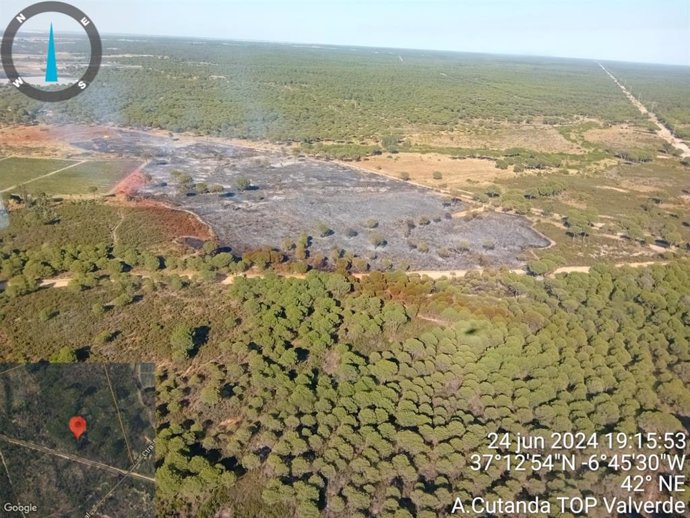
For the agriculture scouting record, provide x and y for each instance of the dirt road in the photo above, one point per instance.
(663, 132)
(63, 281)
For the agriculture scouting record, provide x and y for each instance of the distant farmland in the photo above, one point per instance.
(16, 171)
(78, 178)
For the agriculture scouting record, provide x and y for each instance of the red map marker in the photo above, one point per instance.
(77, 425)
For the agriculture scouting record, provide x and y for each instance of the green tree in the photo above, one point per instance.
(182, 341)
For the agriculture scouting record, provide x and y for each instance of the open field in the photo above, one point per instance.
(420, 167)
(621, 137)
(83, 178)
(17, 171)
(499, 135)
(62, 177)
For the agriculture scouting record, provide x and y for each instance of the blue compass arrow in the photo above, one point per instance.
(51, 62)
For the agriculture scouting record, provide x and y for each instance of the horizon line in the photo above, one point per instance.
(347, 45)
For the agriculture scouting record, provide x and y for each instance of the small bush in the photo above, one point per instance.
(242, 183)
(325, 230)
(377, 239)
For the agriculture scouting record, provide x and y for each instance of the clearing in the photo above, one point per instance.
(494, 135)
(455, 173)
(623, 136)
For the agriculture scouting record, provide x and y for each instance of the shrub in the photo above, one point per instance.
(481, 198)
(325, 230)
(64, 355)
(494, 191)
(377, 239)
(462, 246)
(242, 183)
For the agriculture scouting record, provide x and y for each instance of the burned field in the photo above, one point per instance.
(263, 199)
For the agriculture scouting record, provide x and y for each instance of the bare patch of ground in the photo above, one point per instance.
(131, 183)
(57, 282)
(31, 141)
(570, 202)
(586, 269)
(48, 141)
(610, 188)
(637, 186)
(455, 173)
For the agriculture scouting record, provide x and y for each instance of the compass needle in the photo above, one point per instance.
(51, 61)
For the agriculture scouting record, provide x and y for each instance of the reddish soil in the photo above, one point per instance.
(48, 140)
(131, 183)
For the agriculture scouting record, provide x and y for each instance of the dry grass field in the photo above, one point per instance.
(504, 135)
(455, 173)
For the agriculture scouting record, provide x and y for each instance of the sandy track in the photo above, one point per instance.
(663, 132)
(63, 282)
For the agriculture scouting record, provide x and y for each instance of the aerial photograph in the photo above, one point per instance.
(345, 259)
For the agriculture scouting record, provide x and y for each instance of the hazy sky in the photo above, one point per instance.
(653, 31)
